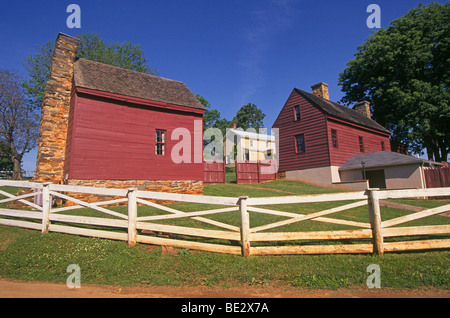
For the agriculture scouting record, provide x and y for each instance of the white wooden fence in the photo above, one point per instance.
(133, 228)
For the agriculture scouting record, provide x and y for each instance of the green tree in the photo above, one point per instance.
(249, 116)
(19, 124)
(211, 116)
(404, 72)
(91, 47)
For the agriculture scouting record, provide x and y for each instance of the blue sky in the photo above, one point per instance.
(231, 52)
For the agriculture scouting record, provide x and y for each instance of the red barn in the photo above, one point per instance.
(317, 136)
(108, 126)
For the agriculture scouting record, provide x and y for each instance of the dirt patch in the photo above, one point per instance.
(19, 289)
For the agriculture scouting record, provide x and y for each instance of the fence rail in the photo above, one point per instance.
(239, 239)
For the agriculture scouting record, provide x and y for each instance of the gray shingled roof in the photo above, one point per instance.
(341, 112)
(112, 79)
(383, 159)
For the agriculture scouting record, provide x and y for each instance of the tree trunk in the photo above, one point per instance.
(16, 168)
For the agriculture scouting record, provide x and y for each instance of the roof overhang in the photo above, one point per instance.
(375, 160)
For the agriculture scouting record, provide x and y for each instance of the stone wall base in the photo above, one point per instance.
(170, 186)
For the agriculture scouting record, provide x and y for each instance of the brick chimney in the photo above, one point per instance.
(363, 107)
(321, 90)
(55, 112)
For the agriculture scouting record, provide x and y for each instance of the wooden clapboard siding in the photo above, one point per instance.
(348, 141)
(115, 139)
(312, 124)
(316, 125)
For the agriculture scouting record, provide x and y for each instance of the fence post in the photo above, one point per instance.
(46, 206)
(132, 216)
(375, 221)
(258, 168)
(245, 225)
(224, 171)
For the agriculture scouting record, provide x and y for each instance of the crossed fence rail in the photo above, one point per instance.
(134, 228)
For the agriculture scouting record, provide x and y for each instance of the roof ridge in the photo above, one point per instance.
(341, 111)
(110, 78)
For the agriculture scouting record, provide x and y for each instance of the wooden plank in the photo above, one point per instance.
(158, 206)
(75, 207)
(190, 231)
(187, 198)
(414, 193)
(20, 184)
(401, 206)
(317, 235)
(191, 245)
(416, 245)
(89, 205)
(90, 190)
(415, 216)
(184, 215)
(312, 249)
(88, 220)
(201, 219)
(319, 219)
(88, 232)
(37, 207)
(13, 198)
(309, 216)
(218, 224)
(24, 224)
(21, 214)
(346, 196)
(416, 230)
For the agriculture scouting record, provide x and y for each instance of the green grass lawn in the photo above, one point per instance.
(29, 255)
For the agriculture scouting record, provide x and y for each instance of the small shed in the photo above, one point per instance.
(387, 170)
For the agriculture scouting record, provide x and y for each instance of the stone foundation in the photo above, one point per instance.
(170, 186)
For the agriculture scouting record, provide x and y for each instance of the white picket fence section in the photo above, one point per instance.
(134, 228)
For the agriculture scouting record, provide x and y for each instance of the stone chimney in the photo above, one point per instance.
(55, 112)
(321, 90)
(363, 107)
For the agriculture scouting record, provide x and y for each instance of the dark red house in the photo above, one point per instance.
(317, 136)
(121, 123)
(107, 126)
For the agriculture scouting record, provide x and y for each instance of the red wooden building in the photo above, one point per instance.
(107, 126)
(121, 123)
(317, 136)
